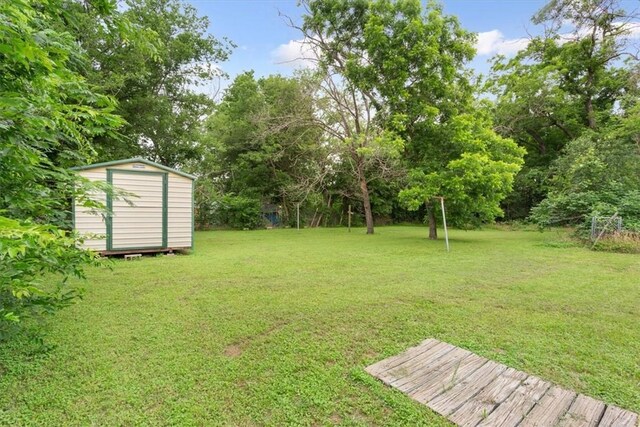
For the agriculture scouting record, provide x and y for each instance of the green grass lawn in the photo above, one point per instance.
(275, 327)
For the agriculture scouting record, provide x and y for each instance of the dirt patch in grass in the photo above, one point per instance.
(371, 355)
(234, 350)
(335, 419)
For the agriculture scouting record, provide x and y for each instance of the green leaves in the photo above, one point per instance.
(48, 116)
(598, 175)
(150, 56)
(261, 143)
(478, 175)
(408, 62)
(563, 86)
(32, 257)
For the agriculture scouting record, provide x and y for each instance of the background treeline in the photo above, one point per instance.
(570, 99)
(389, 118)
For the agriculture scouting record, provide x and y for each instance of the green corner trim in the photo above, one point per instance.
(193, 213)
(109, 217)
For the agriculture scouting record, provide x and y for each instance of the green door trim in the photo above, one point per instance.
(165, 207)
(109, 219)
(193, 213)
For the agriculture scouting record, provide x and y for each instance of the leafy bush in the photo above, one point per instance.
(578, 208)
(207, 200)
(35, 263)
(48, 117)
(240, 212)
(598, 175)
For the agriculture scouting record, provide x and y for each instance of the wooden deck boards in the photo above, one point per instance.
(473, 391)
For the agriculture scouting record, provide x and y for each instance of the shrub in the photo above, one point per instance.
(240, 212)
(35, 263)
(597, 175)
(49, 115)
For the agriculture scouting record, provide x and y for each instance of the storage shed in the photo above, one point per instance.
(158, 218)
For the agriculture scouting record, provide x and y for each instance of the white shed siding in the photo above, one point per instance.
(180, 226)
(140, 226)
(88, 223)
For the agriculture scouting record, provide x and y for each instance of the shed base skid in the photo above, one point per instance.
(117, 252)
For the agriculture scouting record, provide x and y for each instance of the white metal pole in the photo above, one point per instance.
(298, 216)
(444, 222)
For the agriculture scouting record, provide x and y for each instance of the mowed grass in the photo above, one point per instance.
(275, 327)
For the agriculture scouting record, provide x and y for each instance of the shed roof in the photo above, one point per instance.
(134, 160)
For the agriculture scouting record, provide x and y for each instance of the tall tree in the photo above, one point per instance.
(261, 140)
(597, 40)
(408, 64)
(598, 173)
(568, 81)
(162, 76)
(48, 115)
(358, 141)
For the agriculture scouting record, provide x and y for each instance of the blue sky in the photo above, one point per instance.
(264, 39)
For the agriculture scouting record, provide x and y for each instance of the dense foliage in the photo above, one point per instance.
(260, 144)
(36, 262)
(162, 71)
(48, 116)
(79, 82)
(477, 173)
(571, 98)
(407, 63)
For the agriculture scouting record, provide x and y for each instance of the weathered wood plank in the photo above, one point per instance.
(429, 360)
(510, 412)
(423, 360)
(447, 379)
(584, 412)
(550, 408)
(394, 361)
(451, 400)
(616, 417)
(482, 404)
(407, 381)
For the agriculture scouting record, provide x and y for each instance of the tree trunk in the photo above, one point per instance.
(542, 148)
(591, 116)
(328, 215)
(588, 104)
(366, 202)
(313, 220)
(433, 231)
(364, 189)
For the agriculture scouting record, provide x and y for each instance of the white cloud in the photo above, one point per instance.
(634, 30)
(295, 53)
(493, 42)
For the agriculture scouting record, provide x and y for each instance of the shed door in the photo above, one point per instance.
(142, 225)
